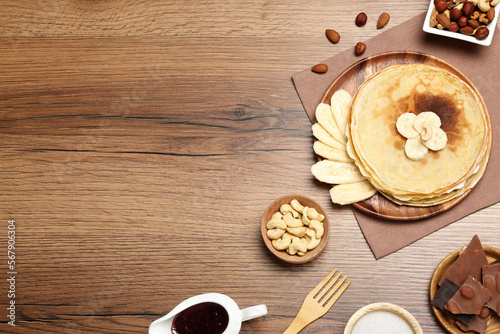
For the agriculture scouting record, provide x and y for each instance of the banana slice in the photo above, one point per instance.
(321, 134)
(404, 125)
(330, 153)
(325, 118)
(334, 172)
(415, 149)
(426, 117)
(340, 103)
(352, 192)
(437, 141)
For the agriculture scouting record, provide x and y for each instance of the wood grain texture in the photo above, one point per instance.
(141, 142)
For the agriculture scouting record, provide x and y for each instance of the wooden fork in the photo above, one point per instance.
(318, 301)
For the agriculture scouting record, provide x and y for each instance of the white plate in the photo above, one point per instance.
(487, 41)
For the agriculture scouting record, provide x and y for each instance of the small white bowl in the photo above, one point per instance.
(457, 35)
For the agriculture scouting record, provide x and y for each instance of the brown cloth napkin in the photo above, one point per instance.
(479, 63)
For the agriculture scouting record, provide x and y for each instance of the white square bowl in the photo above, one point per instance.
(457, 35)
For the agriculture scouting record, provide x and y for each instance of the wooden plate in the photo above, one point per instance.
(350, 80)
(445, 319)
(281, 254)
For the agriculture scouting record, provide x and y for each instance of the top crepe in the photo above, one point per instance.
(378, 148)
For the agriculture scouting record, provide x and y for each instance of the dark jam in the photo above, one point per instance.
(203, 318)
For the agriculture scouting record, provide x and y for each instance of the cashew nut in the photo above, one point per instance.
(317, 226)
(283, 242)
(297, 231)
(290, 221)
(276, 223)
(297, 247)
(275, 233)
(484, 5)
(277, 215)
(288, 208)
(312, 241)
(305, 218)
(313, 214)
(296, 205)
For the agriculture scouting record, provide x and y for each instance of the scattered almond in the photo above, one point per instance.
(319, 68)
(332, 35)
(360, 48)
(383, 20)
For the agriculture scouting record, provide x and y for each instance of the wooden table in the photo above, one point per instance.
(141, 142)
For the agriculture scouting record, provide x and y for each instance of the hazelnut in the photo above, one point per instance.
(360, 48)
(462, 21)
(454, 27)
(482, 33)
(441, 5)
(361, 19)
(468, 8)
(455, 14)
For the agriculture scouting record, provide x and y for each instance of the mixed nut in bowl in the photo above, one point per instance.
(469, 20)
(295, 229)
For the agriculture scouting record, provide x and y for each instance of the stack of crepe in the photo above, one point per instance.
(378, 149)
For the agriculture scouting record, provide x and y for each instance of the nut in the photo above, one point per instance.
(467, 30)
(320, 68)
(332, 35)
(482, 33)
(441, 5)
(490, 14)
(444, 20)
(462, 21)
(484, 5)
(434, 14)
(383, 19)
(468, 8)
(454, 27)
(361, 19)
(474, 24)
(360, 48)
(483, 18)
(455, 13)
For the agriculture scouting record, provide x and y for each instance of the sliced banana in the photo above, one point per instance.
(330, 153)
(321, 134)
(437, 141)
(344, 194)
(427, 132)
(404, 125)
(415, 149)
(334, 172)
(325, 118)
(340, 102)
(426, 117)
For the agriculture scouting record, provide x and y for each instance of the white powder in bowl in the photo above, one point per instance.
(382, 322)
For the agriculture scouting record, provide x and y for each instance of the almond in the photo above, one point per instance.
(383, 20)
(360, 48)
(444, 20)
(319, 68)
(332, 35)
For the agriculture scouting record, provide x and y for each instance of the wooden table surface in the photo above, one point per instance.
(141, 142)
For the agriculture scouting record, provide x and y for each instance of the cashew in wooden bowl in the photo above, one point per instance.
(295, 228)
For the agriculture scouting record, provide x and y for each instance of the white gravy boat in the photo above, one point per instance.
(236, 316)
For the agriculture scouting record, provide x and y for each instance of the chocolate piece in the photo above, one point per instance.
(469, 262)
(470, 298)
(478, 323)
(443, 294)
(491, 281)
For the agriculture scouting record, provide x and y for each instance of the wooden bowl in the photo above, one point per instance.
(283, 255)
(445, 319)
(388, 307)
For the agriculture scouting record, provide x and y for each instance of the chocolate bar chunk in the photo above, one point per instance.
(443, 294)
(470, 298)
(478, 323)
(469, 262)
(491, 281)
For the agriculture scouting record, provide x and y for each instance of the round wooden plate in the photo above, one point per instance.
(350, 80)
(445, 319)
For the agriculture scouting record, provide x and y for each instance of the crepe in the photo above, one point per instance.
(378, 148)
